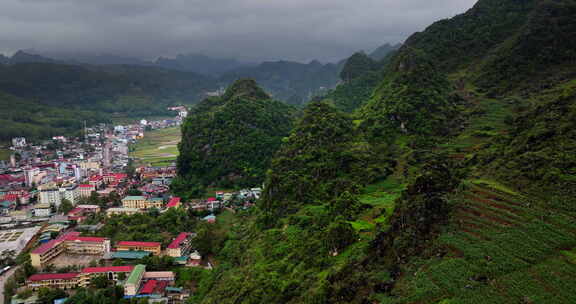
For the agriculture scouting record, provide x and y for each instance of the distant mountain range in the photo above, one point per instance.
(43, 96)
(289, 81)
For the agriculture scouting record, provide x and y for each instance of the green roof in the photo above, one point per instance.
(136, 273)
(6, 204)
(156, 199)
(134, 198)
(130, 255)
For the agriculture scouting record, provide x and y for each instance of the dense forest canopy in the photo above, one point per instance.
(228, 141)
(451, 180)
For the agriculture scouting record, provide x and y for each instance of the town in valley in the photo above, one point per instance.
(57, 195)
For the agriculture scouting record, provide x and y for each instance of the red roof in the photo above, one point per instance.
(52, 276)
(95, 178)
(161, 287)
(173, 202)
(117, 176)
(69, 235)
(140, 244)
(178, 240)
(46, 246)
(148, 287)
(86, 186)
(211, 199)
(11, 197)
(75, 211)
(89, 239)
(108, 269)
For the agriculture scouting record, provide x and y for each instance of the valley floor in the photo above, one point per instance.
(157, 148)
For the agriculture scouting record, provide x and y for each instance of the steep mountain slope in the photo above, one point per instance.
(480, 206)
(361, 75)
(414, 99)
(308, 216)
(384, 50)
(229, 140)
(462, 40)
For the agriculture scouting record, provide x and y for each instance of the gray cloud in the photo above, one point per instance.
(249, 29)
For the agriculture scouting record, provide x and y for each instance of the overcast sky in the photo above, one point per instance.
(248, 29)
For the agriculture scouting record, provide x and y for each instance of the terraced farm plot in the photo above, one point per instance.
(500, 248)
(157, 148)
(382, 197)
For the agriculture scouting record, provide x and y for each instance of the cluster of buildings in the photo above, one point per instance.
(137, 282)
(40, 177)
(73, 243)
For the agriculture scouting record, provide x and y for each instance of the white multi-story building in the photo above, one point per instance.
(70, 193)
(50, 196)
(19, 142)
(30, 176)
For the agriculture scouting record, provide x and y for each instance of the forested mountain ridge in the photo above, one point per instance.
(100, 92)
(292, 82)
(22, 117)
(69, 94)
(228, 141)
(482, 213)
(58, 84)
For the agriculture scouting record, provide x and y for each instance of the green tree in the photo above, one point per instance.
(48, 295)
(65, 206)
(99, 282)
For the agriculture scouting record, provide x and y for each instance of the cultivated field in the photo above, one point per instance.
(157, 148)
(500, 246)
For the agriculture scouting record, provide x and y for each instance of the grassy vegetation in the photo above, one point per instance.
(497, 249)
(487, 119)
(158, 147)
(4, 153)
(381, 196)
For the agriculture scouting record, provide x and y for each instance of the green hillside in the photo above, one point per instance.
(228, 141)
(452, 180)
(39, 100)
(22, 117)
